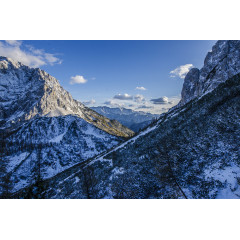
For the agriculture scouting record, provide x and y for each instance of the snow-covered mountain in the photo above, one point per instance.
(46, 146)
(192, 151)
(43, 130)
(28, 92)
(134, 120)
(220, 64)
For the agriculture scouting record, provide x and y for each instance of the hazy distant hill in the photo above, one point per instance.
(134, 120)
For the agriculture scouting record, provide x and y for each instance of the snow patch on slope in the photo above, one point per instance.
(229, 177)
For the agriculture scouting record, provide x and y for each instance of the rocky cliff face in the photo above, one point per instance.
(190, 86)
(222, 63)
(27, 92)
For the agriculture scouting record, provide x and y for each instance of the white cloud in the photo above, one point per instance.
(181, 71)
(14, 42)
(123, 97)
(155, 106)
(112, 103)
(91, 102)
(51, 58)
(161, 100)
(78, 80)
(131, 105)
(158, 105)
(26, 54)
(145, 107)
(141, 88)
(139, 98)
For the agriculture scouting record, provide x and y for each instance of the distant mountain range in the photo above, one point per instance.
(134, 120)
(192, 151)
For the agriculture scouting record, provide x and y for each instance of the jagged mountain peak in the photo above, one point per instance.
(220, 64)
(15, 73)
(190, 83)
(29, 92)
(6, 62)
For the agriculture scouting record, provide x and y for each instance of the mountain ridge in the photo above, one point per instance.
(134, 120)
(220, 64)
(43, 130)
(27, 92)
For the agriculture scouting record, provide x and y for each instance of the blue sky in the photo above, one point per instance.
(98, 72)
